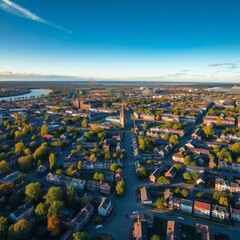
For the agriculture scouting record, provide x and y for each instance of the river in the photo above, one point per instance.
(34, 93)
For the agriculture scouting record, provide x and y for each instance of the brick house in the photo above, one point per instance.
(202, 209)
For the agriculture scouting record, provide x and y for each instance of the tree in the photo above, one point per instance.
(53, 194)
(44, 130)
(223, 201)
(144, 126)
(25, 162)
(71, 193)
(120, 188)
(187, 176)
(80, 236)
(142, 172)
(52, 161)
(177, 166)
(98, 176)
(4, 168)
(6, 188)
(187, 160)
(33, 191)
(163, 180)
(114, 167)
(71, 170)
(235, 148)
(79, 165)
(41, 152)
(105, 105)
(19, 147)
(84, 123)
(184, 192)
(115, 155)
(208, 131)
(160, 204)
(55, 208)
(92, 157)
(20, 230)
(173, 139)
(53, 225)
(155, 237)
(3, 227)
(41, 211)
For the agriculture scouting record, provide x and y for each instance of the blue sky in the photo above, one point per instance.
(168, 40)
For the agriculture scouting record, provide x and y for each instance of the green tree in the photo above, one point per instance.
(184, 192)
(177, 166)
(187, 160)
(41, 210)
(187, 176)
(53, 194)
(98, 176)
(80, 236)
(142, 172)
(92, 157)
(235, 148)
(33, 191)
(160, 204)
(54, 225)
(55, 208)
(71, 193)
(84, 123)
(44, 130)
(52, 161)
(79, 165)
(208, 131)
(163, 180)
(3, 227)
(19, 147)
(173, 139)
(155, 237)
(20, 230)
(114, 167)
(4, 168)
(223, 201)
(145, 126)
(120, 188)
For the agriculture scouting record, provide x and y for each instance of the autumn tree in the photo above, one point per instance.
(53, 225)
(84, 123)
(71, 193)
(4, 168)
(80, 236)
(120, 188)
(41, 211)
(55, 208)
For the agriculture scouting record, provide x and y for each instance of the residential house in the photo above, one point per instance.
(22, 212)
(155, 175)
(235, 214)
(140, 230)
(221, 185)
(10, 177)
(174, 203)
(186, 205)
(201, 179)
(202, 209)
(196, 169)
(234, 187)
(95, 186)
(145, 195)
(171, 172)
(173, 231)
(178, 157)
(202, 231)
(64, 180)
(105, 207)
(212, 163)
(220, 212)
(198, 134)
(82, 218)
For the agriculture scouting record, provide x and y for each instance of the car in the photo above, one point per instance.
(135, 212)
(99, 226)
(180, 218)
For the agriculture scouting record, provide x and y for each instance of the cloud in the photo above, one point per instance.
(228, 65)
(15, 9)
(13, 76)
